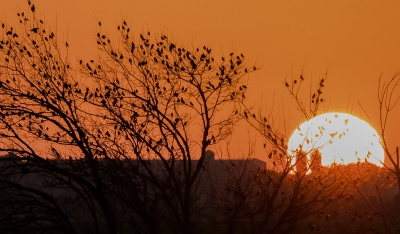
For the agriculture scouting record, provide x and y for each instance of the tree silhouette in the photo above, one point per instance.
(126, 133)
(388, 100)
(286, 196)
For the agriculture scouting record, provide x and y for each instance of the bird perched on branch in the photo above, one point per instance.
(35, 30)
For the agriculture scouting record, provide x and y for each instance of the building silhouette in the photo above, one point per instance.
(301, 161)
(311, 161)
(315, 161)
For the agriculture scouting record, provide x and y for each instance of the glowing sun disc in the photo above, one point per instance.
(339, 137)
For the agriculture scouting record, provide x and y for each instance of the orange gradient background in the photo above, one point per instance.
(354, 41)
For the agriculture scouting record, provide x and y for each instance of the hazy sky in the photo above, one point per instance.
(354, 41)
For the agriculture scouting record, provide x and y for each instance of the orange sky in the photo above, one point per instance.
(355, 41)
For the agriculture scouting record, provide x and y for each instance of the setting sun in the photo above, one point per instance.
(340, 138)
(199, 116)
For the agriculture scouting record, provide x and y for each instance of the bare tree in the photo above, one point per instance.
(388, 99)
(284, 197)
(161, 105)
(377, 189)
(126, 133)
(310, 106)
(40, 110)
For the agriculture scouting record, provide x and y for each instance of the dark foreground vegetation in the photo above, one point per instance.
(120, 144)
